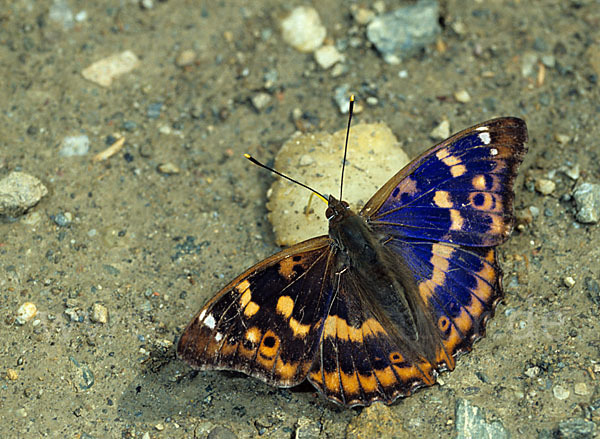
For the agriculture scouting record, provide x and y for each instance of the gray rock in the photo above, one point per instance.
(18, 192)
(587, 200)
(576, 428)
(470, 423)
(306, 428)
(405, 31)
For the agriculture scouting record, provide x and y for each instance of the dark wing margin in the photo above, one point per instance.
(266, 323)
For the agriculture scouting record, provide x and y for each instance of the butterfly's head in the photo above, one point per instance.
(336, 209)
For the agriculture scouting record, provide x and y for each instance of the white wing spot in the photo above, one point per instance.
(482, 129)
(493, 152)
(210, 321)
(218, 336)
(202, 314)
(485, 138)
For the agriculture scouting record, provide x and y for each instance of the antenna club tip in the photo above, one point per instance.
(248, 156)
(351, 98)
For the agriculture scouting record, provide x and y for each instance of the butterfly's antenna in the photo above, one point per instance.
(350, 111)
(256, 162)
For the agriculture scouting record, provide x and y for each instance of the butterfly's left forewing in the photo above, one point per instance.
(266, 323)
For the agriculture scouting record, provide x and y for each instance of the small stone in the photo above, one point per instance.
(185, 58)
(306, 428)
(362, 16)
(146, 435)
(545, 186)
(12, 375)
(63, 219)
(302, 29)
(147, 4)
(168, 168)
(327, 56)
(587, 201)
(74, 146)
(462, 96)
(569, 282)
(532, 371)
(442, 131)
(563, 139)
(99, 313)
(405, 31)
(581, 389)
(21, 412)
(261, 100)
(103, 72)
(528, 62)
(220, 432)
(159, 427)
(341, 96)
(576, 428)
(573, 172)
(26, 312)
(560, 392)
(471, 423)
(19, 192)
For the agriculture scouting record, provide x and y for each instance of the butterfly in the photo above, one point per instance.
(392, 295)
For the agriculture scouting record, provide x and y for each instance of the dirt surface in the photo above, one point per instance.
(152, 247)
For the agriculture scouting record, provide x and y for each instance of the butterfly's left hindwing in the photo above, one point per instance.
(266, 323)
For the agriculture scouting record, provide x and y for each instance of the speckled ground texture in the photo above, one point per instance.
(152, 247)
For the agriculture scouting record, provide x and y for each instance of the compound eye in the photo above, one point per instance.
(329, 213)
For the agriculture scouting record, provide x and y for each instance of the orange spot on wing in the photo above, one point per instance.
(245, 298)
(456, 219)
(286, 371)
(242, 286)
(298, 328)
(463, 321)
(286, 268)
(253, 335)
(285, 306)
(479, 182)
(251, 309)
(332, 382)
(458, 170)
(368, 382)
(386, 376)
(349, 383)
(442, 199)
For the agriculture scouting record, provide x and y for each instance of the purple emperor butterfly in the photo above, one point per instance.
(392, 295)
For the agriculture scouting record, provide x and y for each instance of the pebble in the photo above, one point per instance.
(587, 202)
(307, 428)
(361, 15)
(26, 312)
(19, 192)
(442, 131)
(581, 389)
(560, 392)
(462, 96)
(74, 146)
(185, 58)
(327, 56)
(569, 282)
(405, 31)
(12, 375)
(563, 139)
(63, 219)
(220, 432)
(104, 71)
(544, 186)
(471, 423)
(61, 13)
(154, 109)
(302, 29)
(576, 428)
(168, 168)
(374, 156)
(261, 100)
(160, 427)
(99, 313)
(341, 97)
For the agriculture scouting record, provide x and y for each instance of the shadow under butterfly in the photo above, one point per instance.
(392, 295)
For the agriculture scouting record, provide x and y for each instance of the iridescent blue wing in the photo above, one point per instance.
(460, 191)
(443, 214)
